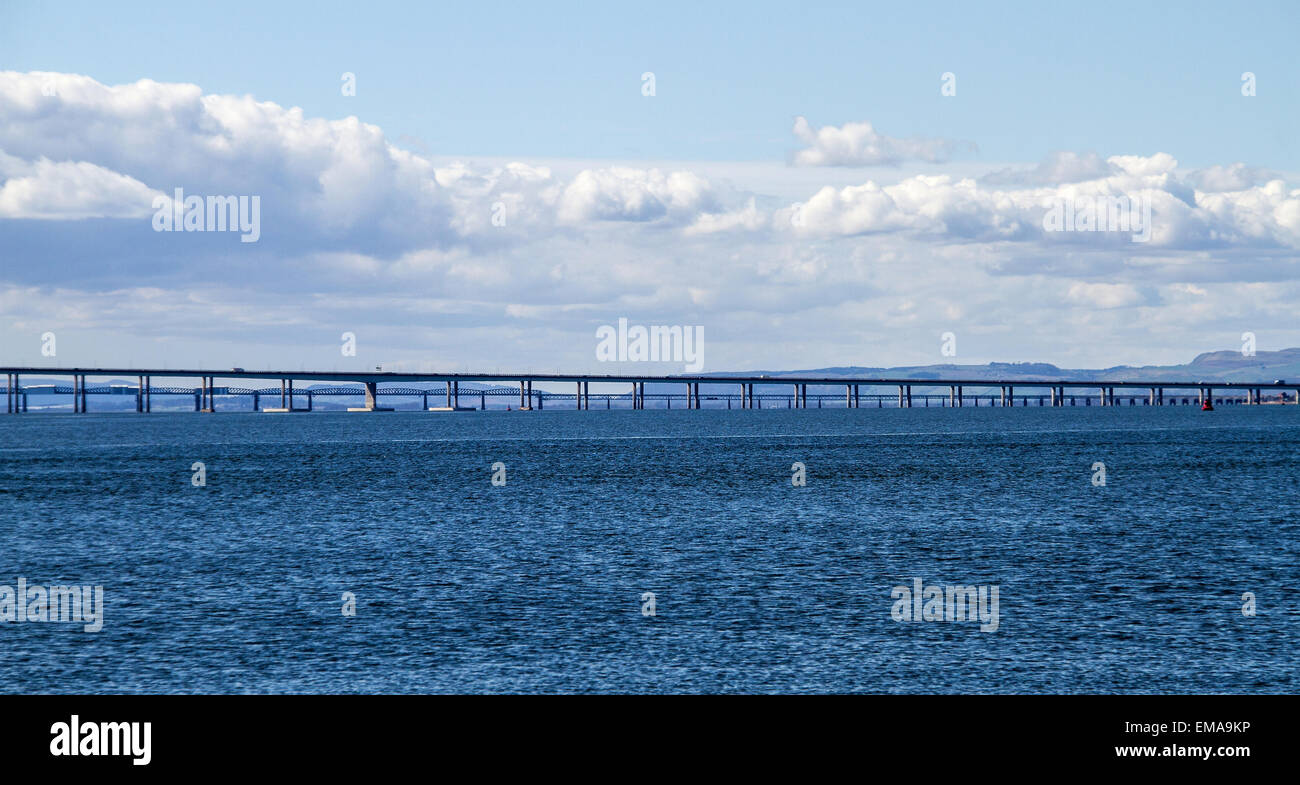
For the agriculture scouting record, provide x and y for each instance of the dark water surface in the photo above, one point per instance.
(759, 586)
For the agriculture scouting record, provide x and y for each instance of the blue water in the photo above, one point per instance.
(759, 586)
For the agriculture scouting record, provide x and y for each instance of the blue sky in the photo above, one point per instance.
(798, 184)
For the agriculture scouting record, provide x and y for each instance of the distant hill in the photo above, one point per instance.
(1225, 366)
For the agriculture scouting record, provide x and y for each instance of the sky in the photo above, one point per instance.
(484, 187)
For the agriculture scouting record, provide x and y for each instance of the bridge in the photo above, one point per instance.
(743, 392)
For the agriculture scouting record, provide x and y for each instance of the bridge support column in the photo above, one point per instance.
(283, 399)
(482, 400)
(446, 388)
(257, 401)
(900, 396)
(148, 394)
(310, 400)
(9, 393)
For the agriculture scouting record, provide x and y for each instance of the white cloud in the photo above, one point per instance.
(69, 190)
(858, 144)
(1104, 295)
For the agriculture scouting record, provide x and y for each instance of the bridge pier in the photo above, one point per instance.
(209, 395)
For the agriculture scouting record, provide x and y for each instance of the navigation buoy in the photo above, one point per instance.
(1208, 406)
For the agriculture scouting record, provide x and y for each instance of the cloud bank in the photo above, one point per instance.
(456, 260)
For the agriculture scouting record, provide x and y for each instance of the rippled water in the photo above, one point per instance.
(759, 586)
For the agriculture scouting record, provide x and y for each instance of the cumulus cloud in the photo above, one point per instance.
(1233, 177)
(64, 190)
(859, 144)
(945, 208)
(324, 184)
(622, 194)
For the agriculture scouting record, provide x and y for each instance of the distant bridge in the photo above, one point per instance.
(743, 392)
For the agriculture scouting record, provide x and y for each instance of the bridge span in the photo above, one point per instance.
(729, 391)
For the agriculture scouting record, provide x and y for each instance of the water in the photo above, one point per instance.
(759, 586)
